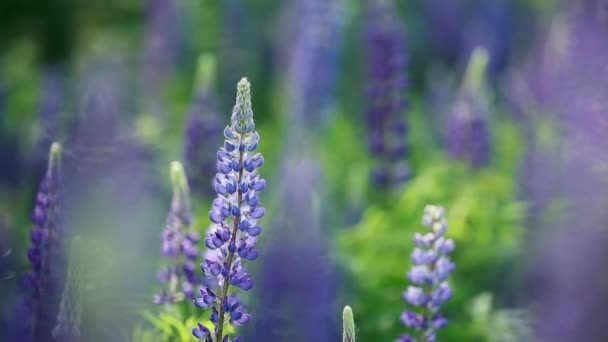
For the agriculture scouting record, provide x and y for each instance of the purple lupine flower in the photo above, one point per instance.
(203, 126)
(178, 244)
(571, 80)
(235, 214)
(428, 276)
(468, 136)
(387, 83)
(312, 69)
(45, 253)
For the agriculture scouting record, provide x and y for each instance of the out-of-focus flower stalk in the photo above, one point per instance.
(45, 253)
(386, 87)
(468, 136)
(178, 244)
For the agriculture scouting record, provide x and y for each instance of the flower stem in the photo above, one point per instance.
(226, 284)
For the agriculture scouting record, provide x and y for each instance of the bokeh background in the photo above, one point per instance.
(368, 110)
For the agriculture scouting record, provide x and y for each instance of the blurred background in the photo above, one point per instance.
(367, 109)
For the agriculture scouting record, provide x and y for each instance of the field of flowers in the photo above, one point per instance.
(304, 170)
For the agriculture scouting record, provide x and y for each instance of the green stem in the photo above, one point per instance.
(224, 296)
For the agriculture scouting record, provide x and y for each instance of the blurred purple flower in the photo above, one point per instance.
(178, 244)
(570, 80)
(468, 136)
(386, 93)
(162, 43)
(203, 129)
(296, 276)
(46, 251)
(313, 68)
(446, 19)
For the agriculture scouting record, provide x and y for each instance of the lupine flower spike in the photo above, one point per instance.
(235, 214)
(468, 136)
(428, 276)
(348, 325)
(45, 254)
(386, 86)
(179, 244)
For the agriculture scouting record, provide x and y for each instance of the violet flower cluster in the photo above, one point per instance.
(235, 214)
(46, 251)
(468, 136)
(178, 244)
(429, 274)
(387, 83)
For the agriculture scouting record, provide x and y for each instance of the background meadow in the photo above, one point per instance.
(367, 111)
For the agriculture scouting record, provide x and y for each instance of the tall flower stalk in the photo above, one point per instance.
(468, 136)
(45, 253)
(386, 86)
(178, 244)
(429, 278)
(235, 214)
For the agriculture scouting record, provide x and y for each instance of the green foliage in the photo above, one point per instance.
(504, 325)
(485, 222)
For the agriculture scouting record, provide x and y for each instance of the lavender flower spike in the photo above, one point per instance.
(468, 135)
(45, 254)
(235, 213)
(386, 57)
(428, 275)
(179, 244)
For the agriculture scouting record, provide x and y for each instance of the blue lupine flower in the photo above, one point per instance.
(468, 136)
(46, 254)
(387, 83)
(428, 275)
(179, 244)
(235, 214)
